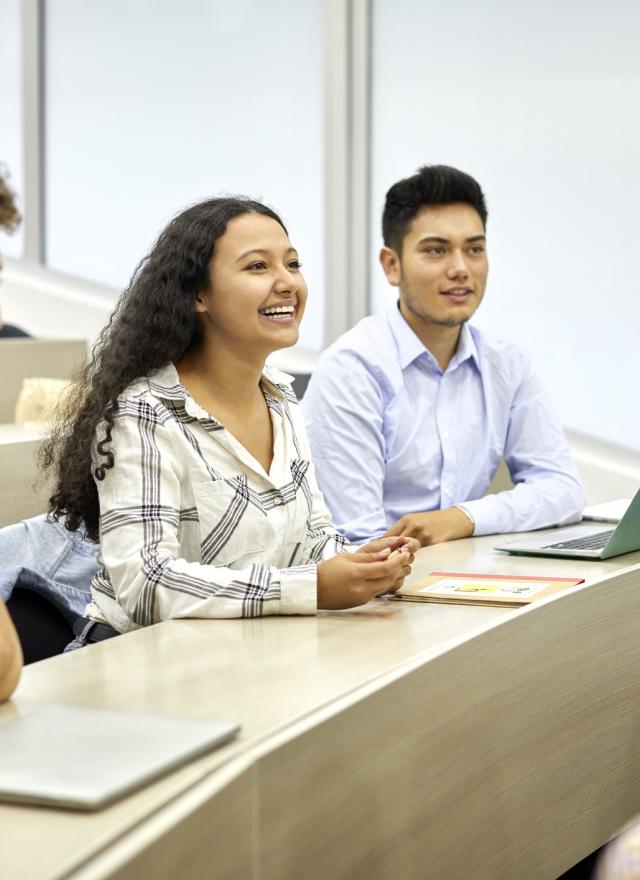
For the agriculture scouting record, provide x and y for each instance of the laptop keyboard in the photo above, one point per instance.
(589, 542)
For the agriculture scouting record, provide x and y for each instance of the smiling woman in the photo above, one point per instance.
(185, 456)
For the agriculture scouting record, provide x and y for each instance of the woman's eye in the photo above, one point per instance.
(295, 264)
(258, 266)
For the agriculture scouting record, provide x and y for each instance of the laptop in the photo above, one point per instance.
(583, 542)
(67, 756)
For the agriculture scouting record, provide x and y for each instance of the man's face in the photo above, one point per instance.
(442, 268)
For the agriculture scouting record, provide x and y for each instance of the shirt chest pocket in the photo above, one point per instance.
(233, 529)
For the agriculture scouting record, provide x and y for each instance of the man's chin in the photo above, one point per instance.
(451, 322)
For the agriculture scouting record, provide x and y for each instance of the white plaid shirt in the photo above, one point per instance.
(191, 525)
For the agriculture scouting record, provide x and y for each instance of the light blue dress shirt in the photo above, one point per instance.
(392, 434)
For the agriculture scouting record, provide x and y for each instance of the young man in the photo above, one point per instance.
(410, 413)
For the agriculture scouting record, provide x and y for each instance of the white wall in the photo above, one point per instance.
(539, 101)
(154, 105)
(11, 141)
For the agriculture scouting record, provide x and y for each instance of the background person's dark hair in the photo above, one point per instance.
(431, 185)
(9, 215)
(153, 323)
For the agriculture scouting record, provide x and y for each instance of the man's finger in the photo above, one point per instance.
(397, 529)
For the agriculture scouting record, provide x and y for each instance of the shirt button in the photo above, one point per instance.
(278, 501)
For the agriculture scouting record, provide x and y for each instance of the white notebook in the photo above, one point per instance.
(67, 756)
(610, 511)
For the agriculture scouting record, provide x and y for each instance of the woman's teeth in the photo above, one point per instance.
(278, 310)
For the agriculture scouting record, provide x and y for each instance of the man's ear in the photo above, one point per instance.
(390, 262)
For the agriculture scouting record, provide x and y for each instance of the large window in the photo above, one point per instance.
(155, 104)
(11, 146)
(539, 102)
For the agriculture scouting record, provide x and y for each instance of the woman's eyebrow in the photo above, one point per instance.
(261, 251)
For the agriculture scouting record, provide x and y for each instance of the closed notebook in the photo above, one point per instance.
(462, 588)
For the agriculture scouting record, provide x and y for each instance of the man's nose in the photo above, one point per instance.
(457, 266)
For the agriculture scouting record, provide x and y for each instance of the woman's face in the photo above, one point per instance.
(256, 295)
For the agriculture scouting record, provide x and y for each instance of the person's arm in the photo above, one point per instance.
(10, 655)
(344, 413)
(140, 515)
(547, 489)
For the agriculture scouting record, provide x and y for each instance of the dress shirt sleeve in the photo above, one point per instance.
(547, 489)
(140, 548)
(343, 408)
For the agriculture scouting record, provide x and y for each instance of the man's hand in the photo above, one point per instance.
(434, 526)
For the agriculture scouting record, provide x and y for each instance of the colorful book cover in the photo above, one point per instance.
(483, 589)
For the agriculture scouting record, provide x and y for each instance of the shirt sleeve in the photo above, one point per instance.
(547, 489)
(148, 579)
(344, 409)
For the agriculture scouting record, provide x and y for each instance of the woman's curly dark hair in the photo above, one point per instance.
(153, 323)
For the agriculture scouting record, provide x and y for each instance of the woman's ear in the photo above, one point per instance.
(201, 306)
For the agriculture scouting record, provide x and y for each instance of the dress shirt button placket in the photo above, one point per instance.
(447, 444)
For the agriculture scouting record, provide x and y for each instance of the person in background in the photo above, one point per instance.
(186, 456)
(10, 655)
(9, 221)
(410, 413)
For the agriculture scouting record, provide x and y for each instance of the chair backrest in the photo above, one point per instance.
(22, 358)
(300, 382)
(23, 493)
(501, 480)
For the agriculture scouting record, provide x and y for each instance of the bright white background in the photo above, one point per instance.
(11, 111)
(155, 104)
(541, 103)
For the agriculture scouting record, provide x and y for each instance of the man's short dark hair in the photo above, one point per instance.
(431, 185)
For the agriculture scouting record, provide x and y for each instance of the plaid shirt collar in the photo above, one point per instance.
(165, 385)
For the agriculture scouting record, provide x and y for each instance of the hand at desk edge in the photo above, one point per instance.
(434, 526)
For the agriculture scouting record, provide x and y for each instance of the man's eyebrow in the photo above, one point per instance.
(262, 252)
(436, 238)
(439, 240)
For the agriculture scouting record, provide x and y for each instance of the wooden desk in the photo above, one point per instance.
(398, 740)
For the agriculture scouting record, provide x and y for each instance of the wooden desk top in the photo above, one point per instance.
(266, 674)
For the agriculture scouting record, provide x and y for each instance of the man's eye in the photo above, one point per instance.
(477, 249)
(434, 250)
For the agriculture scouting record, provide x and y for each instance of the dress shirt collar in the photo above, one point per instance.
(410, 347)
(165, 384)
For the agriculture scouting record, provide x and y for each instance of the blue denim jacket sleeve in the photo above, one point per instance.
(43, 556)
